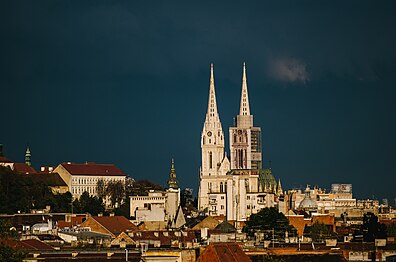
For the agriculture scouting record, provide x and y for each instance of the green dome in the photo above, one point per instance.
(266, 179)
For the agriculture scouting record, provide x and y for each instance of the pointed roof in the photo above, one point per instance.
(226, 227)
(212, 114)
(28, 156)
(172, 183)
(244, 109)
(179, 220)
(279, 188)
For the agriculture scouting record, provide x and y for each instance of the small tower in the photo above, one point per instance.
(279, 188)
(172, 182)
(28, 156)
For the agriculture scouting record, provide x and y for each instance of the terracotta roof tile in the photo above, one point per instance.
(3, 159)
(115, 224)
(93, 169)
(22, 168)
(223, 252)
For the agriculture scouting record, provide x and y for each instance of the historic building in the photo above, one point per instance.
(84, 177)
(158, 205)
(235, 187)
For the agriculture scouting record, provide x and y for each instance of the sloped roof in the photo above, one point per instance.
(29, 244)
(49, 179)
(93, 169)
(22, 168)
(115, 224)
(223, 252)
(3, 159)
(225, 227)
(208, 222)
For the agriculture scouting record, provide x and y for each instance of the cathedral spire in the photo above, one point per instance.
(172, 183)
(28, 156)
(244, 108)
(212, 114)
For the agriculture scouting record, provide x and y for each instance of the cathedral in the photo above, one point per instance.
(238, 186)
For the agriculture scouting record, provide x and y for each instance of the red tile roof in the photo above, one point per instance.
(49, 179)
(3, 159)
(223, 252)
(93, 169)
(115, 224)
(22, 168)
(29, 244)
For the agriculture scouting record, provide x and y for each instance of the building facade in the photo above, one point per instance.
(158, 205)
(85, 177)
(235, 187)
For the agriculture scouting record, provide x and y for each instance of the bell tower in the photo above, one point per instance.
(245, 139)
(212, 147)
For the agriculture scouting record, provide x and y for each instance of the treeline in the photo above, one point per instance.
(21, 193)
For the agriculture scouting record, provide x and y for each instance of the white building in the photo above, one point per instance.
(157, 205)
(84, 177)
(235, 187)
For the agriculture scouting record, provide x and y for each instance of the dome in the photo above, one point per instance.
(308, 203)
(267, 180)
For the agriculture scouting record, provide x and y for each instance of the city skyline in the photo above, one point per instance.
(126, 84)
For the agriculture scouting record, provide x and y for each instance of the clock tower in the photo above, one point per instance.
(213, 161)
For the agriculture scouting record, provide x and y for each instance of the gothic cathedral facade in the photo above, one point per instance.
(235, 187)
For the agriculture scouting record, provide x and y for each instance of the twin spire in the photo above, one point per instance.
(212, 104)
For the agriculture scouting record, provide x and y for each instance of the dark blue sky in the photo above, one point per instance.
(126, 82)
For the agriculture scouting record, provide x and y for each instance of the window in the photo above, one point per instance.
(221, 187)
(222, 207)
(210, 159)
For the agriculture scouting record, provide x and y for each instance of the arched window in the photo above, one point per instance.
(221, 187)
(210, 160)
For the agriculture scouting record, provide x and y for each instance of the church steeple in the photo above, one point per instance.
(244, 109)
(212, 114)
(172, 183)
(28, 157)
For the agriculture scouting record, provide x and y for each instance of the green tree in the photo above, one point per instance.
(7, 254)
(391, 230)
(101, 188)
(88, 204)
(116, 192)
(268, 219)
(319, 231)
(371, 228)
(6, 230)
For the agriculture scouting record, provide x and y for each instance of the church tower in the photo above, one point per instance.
(213, 160)
(28, 157)
(245, 139)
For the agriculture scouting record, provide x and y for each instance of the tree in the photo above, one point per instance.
(116, 192)
(88, 204)
(10, 255)
(142, 187)
(391, 230)
(268, 219)
(319, 231)
(6, 230)
(371, 228)
(101, 188)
